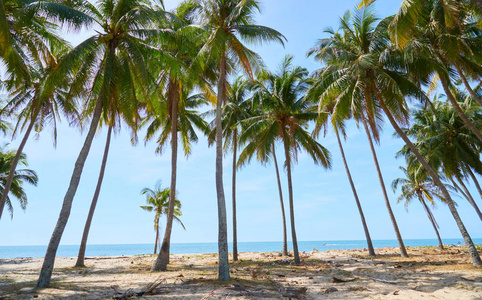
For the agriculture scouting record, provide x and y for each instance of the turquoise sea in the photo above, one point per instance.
(188, 248)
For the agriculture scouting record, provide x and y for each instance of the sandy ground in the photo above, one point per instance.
(429, 273)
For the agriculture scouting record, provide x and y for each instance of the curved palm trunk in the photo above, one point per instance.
(13, 166)
(476, 182)
(285, 239)
(432, 220)
(470, 198)
(223, 266)
(48, 264)
(290, 195)
(371, 251)
(403, 251)
(163, 258)
(467, 85)
(83, 244)
(235, 234)
(476, 261)
(458, 109)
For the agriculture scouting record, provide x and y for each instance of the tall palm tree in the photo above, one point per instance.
(30, 48)
(351, 55)
(226, 22)
(20, 177)
(264, 158)
(378, 80)
(157, 200)
(236, 109)
(417, 185)
(444, 47)
(187, 121)
(447, 143)
(28, 32)
(338, 124)
(285, 115)
(178, 77)
(280, 191)
(83, 243)
(35, 107)
(109, 68)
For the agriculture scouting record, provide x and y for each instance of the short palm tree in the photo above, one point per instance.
(285, 115)
(157, 200)
(107, 68)
(227, 23)
(20, 177)
(416, 185)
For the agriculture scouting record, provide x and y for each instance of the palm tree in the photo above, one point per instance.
(264, 159)
(20, 177)
(285, 115)
(444, 47)
(280, 191)
(338, 126)
(28, 33)
(187, 121)
(378, 81)
(417, 184)
(178, 77)
(225, 22)
(158, 201)
(371, 250)
(352, 57)
(34, 40)
(109, 68)
(236, 109)
(447, 143)
(38, 107)
(83, 243)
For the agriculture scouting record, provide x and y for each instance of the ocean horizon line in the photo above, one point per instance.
(289, 241)
(98, 250)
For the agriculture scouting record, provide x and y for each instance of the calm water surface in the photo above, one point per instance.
(185, 248)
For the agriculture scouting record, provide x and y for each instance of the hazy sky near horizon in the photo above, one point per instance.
(324, 205)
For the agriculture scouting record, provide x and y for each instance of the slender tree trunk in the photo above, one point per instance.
(13, 166)
(235, 234)
(432, 220)
(476, 261)
(458, 109)
(467, 85)
(48, 264)
(470, 198)
(285, 239)
(163, 258)
(157, 239)
(290, 195)
(474, 179)
(371, 251)
(223, 265)
(83, 244)
(403, 251)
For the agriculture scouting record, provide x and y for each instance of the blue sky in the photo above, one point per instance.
(324, 205)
